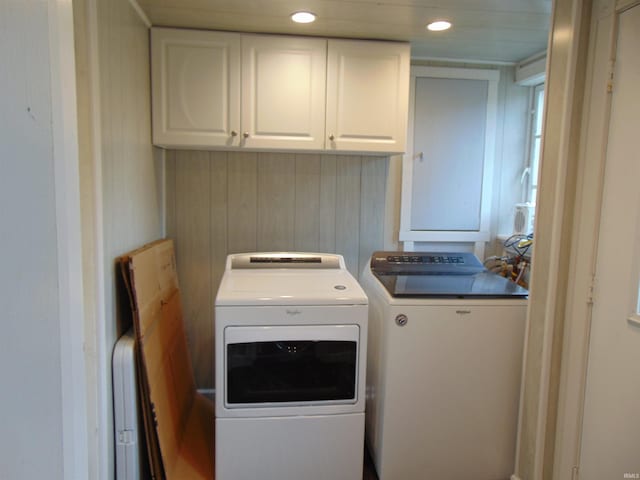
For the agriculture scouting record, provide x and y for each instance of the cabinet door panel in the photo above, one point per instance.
(367, 95)
(196, 95)
(450, 116)
(283, 92)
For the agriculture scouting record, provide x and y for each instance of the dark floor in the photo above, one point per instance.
(369, 471)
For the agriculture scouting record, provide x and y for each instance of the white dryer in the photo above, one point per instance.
(291, 332)
(444, 367)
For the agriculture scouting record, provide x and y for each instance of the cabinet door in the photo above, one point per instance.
(283, 92)
(367, 95)
(195, 85)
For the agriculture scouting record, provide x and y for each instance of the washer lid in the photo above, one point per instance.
(288, 284)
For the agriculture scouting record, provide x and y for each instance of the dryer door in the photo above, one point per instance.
(290, 365)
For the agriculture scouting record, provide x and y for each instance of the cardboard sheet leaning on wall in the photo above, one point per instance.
(179, 421)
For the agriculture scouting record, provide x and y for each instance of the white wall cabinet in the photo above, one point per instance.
(447, 173)
(196, 88)
(218, 90)
(283, 92)
(367, 95)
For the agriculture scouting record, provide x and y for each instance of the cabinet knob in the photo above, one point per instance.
(234, 133)
(331, 137)
(245, 134)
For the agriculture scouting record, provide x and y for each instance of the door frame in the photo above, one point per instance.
(75, 453)
(589, 195)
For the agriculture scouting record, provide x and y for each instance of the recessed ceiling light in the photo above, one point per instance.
(303, 17)
(439, 26)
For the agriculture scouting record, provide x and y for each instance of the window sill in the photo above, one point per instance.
(634, 320)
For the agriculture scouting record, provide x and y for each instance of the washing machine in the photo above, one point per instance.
(444, 367)
(290, 350)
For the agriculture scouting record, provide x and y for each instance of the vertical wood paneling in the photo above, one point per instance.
(328, 178)
(276, 201)
(193, 256)
(348, 210)
(128, 172)
(218, 217)
(242, 198)
(170, 192)
(218, 232)
(307, 203)
(372, 207)
(393, 203)
(228, 202)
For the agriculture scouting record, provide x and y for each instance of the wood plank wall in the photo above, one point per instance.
(127, 195)
(228, 202)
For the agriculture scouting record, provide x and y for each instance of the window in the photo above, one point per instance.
(535, 133)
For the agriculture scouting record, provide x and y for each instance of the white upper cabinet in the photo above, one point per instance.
(269, 92)
(367, 95)
(283, 92)
(196, 88)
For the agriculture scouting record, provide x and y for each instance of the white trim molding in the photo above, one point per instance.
(634, 320)
(532, 71)
(96, 319)
(143, 16)
(67, 198)
(622, 5)
(589, 193)
(468, 61)
(551, 280)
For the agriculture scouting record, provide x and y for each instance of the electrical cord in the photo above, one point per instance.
(513, 267)
(519, 243)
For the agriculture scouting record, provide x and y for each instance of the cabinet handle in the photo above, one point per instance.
(331, 137)
(234, 133)
(245, 134)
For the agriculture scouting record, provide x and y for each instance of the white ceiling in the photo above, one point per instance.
(483, 30)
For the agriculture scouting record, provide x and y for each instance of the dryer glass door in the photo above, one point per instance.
(292, 365)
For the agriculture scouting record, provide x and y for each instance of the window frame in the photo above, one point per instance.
(534, 132)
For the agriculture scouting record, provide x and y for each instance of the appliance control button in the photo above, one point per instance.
(339, 287)
(401, 320)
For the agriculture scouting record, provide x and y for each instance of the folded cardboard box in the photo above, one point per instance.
(179, 422)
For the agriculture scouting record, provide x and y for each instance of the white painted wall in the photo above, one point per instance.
(121, 185)
(41, 358)
(128, 204)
